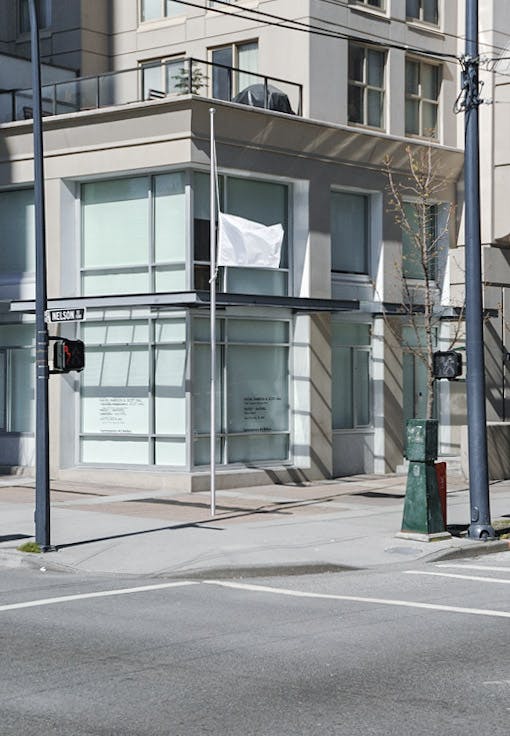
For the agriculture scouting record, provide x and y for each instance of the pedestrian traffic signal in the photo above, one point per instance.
(68, 355)
(447, 364)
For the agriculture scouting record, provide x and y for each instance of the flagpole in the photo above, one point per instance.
(212, 283)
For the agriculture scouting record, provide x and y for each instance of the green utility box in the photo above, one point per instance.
(421, 440)
(422, 509)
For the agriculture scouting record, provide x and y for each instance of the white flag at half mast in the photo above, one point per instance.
(247, 244)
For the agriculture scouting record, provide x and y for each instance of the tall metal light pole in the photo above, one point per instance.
(480, 527)
(42, 475)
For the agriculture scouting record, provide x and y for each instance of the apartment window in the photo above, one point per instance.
(43, 15)
(134, 235)
(423, 10)
(226, 83)
(369, 3)
(349, 232)
(419, 244)
(423, 82)
(260, 201)
(350, 354)
(17, 378)
(366, 86)
(155, 9)
(171, 77)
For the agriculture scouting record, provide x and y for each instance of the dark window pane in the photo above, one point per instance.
(412, 77)
(202, 237)
(413, 8)
(374, 108)
(375, 68)
(355, 103)
(222, 78)
(430, 11)
(202, 276)
(356, 59)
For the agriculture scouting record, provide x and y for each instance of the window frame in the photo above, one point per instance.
(7, 355)
(354, 380)
(223, 344)
(151, 266)
(366, 87)
(162, 64)
(421, 12)
(367, 197)
(368, 5)
(45, 16)
(434, 214)
(163, 14)
(203, 265)
(421, 99)
(234, 71)
(150, 342)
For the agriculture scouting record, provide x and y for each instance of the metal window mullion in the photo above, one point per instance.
(189, 212)
(4, 355)
(224, 444)
(151, 358)
(190, 357)
(151, 247)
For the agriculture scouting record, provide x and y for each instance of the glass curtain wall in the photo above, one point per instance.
(134, 235)
(261, 201)
(135, 392)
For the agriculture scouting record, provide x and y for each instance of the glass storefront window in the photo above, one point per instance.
(136, 392)
(17, 379)
(252, 409)
(133, 401)
(350, 357)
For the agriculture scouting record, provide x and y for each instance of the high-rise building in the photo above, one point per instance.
(318, 362)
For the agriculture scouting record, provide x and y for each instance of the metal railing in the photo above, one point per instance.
(167, 79)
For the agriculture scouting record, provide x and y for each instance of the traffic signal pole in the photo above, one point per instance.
(42, 475)
(480, 527)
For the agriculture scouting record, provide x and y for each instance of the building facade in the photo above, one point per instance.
(315, 362)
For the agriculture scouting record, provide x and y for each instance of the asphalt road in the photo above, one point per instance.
(422, 649)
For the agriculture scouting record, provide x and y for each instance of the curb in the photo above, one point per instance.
(470, 549)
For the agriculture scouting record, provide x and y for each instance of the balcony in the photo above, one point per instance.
(163, 80)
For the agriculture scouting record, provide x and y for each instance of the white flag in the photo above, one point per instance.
(248, 244)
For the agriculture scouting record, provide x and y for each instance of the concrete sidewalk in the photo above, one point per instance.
(346, 523)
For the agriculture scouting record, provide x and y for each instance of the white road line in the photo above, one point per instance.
(84, 596)
(478, 578)
(497, 682)
(360, 599)
(501, 568)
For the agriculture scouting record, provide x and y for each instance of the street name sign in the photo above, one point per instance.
(65, 315)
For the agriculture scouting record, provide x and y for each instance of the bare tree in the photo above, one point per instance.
(414, 203)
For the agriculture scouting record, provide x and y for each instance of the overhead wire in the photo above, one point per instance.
(278, 21)
(271, 19)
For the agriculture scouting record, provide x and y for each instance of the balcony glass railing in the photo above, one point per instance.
(157, 81)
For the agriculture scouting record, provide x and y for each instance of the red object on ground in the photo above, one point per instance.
(441, 484)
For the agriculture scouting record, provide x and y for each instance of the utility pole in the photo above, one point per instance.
(42, 476)
(480, 527)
